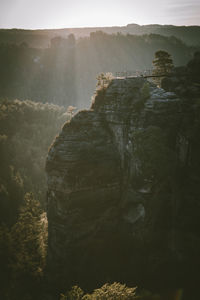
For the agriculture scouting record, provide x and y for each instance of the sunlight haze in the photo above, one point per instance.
(35, 14)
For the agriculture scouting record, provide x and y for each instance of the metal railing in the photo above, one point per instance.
(126, 74)
(134, 74)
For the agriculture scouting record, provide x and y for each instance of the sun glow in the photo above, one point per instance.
(90, 13)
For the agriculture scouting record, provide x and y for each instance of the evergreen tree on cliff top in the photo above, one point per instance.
(163, 65)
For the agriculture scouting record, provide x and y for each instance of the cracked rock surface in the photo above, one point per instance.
(123, 197)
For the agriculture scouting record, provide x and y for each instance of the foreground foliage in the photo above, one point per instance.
(23, 252)
(115, 291)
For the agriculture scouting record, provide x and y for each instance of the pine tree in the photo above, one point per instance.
(28, 238)
(163, 65)
(28, 244)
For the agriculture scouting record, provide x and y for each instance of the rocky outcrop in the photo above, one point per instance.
(123, 196)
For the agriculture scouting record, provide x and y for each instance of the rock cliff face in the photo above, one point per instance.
(123, 196)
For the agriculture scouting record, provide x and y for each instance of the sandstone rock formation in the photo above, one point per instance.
(123, 196)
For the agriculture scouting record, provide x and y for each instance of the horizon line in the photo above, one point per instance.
(105, 26)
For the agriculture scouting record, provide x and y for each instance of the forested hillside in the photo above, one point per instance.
(65, 72)
(26, 131)
(41, 38)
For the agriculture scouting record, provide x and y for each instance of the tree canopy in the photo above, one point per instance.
(163, 65)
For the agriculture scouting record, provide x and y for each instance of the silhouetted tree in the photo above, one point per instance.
(163, 65)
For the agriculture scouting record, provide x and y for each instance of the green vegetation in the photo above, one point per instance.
(41, 38)
(64, 73)
(104, 79)
(163, 65)
(23, 252)
(29, 239)
(115, 291)
(26, 131)
(76, 293)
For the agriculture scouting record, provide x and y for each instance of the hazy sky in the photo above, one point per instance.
(86, 13)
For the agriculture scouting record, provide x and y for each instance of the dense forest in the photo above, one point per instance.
(65, 72)
(41, 38)
(26, 132)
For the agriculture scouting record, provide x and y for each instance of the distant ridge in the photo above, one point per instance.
(41, 37)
